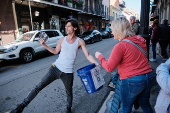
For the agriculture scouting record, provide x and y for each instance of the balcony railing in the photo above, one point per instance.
(79, 5)
(68, 3)
(92, 10)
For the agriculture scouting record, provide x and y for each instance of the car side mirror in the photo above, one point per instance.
(36, 39)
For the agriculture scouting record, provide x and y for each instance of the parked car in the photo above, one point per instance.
(91, 36)
(106, 33)
(27, 45)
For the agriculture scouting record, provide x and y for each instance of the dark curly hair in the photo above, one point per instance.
(74, 23)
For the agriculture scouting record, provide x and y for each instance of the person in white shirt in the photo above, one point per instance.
(62, 68)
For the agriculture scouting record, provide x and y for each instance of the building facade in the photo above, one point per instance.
(130, 12)
(160, 10)
(116, 8)
(106, 10)
(19, 16)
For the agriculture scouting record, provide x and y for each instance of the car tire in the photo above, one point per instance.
(110, 35)
(101, 38)
(1, 63)
(92, 40)
(26, 56)
(98, 38)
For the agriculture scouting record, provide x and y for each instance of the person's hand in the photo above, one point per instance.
(97, 54)
(42, 41)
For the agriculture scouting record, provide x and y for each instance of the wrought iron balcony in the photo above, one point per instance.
(68, 3)
(92, 10)
(77, 5)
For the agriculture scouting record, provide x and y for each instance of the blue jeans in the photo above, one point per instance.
(154, 49)
(136, 88)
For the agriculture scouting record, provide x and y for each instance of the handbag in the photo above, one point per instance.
(127, 40)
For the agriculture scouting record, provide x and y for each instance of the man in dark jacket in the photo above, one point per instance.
(164, 38)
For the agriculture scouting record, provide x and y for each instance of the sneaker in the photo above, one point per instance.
(19, 109)
(152, 59)
(69, 110)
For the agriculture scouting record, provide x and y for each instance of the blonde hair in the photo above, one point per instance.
(121, 28)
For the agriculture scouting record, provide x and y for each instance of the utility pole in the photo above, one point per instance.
(144, 22)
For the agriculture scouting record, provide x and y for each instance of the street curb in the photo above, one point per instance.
(104, 107)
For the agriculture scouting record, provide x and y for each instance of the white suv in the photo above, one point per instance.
(27, 45)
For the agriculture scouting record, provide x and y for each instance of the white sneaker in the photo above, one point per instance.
(152, 59)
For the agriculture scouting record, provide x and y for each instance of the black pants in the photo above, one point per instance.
(53, 74)
(164, 45)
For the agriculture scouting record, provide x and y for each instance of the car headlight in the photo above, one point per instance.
(10, 49)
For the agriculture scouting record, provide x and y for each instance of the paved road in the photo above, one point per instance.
(17, 80)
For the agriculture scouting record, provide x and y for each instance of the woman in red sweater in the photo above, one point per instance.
(133, 66)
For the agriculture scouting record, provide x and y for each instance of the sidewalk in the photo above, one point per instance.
(154, 91)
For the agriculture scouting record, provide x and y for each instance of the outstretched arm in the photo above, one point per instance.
(86, 53)
(52, 50)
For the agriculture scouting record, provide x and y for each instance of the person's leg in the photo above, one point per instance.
(165, 43)
(130, 89)
(144, 96)
(154, 50)
(67, 79)
(116, 100)
(52, 75)
(161, 45)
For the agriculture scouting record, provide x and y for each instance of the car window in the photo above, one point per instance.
(25, 37)
(50, 33)
(103, 30)
(37, 35)
(56, 33)
(87, 33)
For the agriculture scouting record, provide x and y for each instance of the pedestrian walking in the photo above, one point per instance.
(62, 68)
(163, 79)
(164, 38)
(156, 32)
(133, 66)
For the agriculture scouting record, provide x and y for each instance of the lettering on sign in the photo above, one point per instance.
(97, 77)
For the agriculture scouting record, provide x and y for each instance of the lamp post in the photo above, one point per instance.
(144, 22)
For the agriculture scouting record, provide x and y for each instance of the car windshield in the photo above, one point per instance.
(87, 33)
(25, 37)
